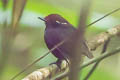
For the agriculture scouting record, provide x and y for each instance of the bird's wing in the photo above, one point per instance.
(67, 47)
(52, 38)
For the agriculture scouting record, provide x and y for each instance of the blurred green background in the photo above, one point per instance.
(29, 42)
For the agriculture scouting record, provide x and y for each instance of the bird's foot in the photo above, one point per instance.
(58, 63)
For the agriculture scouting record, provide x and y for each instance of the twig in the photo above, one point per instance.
(92, 70)
(105, 46)
(101, 57)
(104, 16)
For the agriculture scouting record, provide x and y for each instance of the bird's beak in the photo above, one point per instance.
(42, 19)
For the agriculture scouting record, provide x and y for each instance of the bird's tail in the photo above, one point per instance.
(87, 51)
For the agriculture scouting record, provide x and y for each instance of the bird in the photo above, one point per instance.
(57, 29)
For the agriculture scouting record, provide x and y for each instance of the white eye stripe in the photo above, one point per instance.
(63, 23)
(60, 22)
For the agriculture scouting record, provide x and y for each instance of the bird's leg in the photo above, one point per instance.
(58, 63)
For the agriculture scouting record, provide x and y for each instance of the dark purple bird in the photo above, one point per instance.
(57, 29)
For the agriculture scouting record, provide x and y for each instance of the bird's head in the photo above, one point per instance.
(54, 20)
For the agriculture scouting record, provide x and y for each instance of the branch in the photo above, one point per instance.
(77, 38)
(103, 37)
(98, 62)
(46, 72)
(90, 62)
